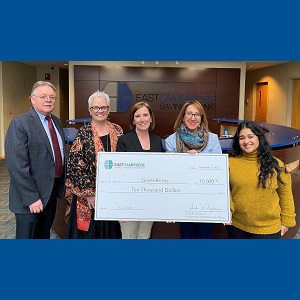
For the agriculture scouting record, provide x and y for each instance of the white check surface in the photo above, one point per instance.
(162, 187)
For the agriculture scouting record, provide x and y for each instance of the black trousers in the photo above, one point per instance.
(38, 225)
(196, 230)
(236, 233)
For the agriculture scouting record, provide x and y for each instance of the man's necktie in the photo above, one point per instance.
(58, 159)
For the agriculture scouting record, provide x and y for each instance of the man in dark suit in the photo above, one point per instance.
(31, 158)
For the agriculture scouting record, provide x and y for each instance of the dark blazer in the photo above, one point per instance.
(129, 142)
(30, 162)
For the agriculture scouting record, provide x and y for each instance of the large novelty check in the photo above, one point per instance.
(162, 187)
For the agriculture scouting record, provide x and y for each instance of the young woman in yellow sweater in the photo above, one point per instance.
(261, 198)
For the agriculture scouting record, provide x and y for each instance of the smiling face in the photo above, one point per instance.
(99, 109)
(43, 99)
(248, 141)
(142, 119)
(192, 118)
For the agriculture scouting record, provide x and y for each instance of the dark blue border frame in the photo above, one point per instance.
(156, 30)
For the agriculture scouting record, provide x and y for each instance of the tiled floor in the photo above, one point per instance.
(7, 218)
(297, 236)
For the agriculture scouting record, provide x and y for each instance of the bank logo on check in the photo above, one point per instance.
(108, 164)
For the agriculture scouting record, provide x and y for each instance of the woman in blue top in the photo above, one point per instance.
(193, 136)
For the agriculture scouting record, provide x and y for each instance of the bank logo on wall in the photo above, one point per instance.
(120, 95)
(121, 98)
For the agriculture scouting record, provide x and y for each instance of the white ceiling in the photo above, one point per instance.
(251, 65)
(255, 65)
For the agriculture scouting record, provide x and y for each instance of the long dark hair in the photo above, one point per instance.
(268, 165)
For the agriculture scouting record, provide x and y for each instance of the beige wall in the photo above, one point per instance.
(279, 79)
(16, 83)
(17, 80)
(1, 114)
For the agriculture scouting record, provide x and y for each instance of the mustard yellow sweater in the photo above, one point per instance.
(258, 210)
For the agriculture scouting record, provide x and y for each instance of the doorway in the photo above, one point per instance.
(261, 102)
(295, 121)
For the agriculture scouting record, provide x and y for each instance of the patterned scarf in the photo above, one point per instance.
(187, 140)
(81, 169)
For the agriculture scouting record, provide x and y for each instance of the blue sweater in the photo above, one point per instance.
(213, 145)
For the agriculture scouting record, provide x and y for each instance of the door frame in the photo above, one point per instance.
(264, 99)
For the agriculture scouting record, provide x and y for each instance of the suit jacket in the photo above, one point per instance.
(30, 161)
(129, 142)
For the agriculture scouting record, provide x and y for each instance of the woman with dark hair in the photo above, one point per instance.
(139, 139)
(261, 198)
(193, 136)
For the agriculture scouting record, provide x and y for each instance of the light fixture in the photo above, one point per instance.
(157, 62)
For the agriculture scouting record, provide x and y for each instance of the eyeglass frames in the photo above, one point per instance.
(44, 97)
(97, 108)
(196, 115)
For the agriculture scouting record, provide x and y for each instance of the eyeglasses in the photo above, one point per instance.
(196, 115)
(97, 108)
(44, 97)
